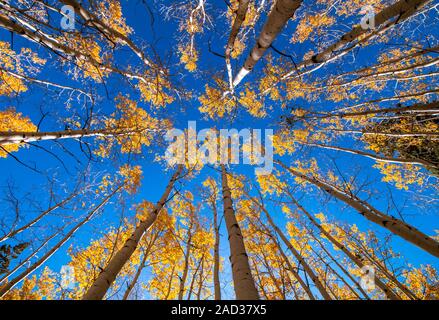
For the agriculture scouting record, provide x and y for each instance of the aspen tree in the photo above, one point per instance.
(357, 259)
(244, 285)
(239, 19)
(278, 17)
(212, 187)
(293, 269)
(108, 275)
(386, 18)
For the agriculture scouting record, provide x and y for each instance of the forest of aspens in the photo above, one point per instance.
(97, 202)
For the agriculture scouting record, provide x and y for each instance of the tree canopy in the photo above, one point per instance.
(91, 208)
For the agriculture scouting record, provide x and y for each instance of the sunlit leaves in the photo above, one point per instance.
(156, 90)
(89, 62)
(132, 177)
(110, 12)
(12, 121)
(309, 24)
(213, 104)
(188, 57)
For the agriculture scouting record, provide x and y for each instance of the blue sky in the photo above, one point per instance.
(163, 38)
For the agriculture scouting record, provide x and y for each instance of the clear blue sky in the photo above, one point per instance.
(162, 36)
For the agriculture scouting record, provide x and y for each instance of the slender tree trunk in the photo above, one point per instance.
(395, 98)
(357, 81)
(194, 278)
(432, 135)
(258, 276)
(422, 107)
(369, 155)
(388, 274)
(91, 18)
(105, 279)
(278, 17)
(239, 19)
(244, 284)
(200, 279)
(140, 268)
(327, 264)
(296, 275)
(191, 287)
(343, 269)
(9, 285)
(38, 36)
(357, 259)
(170, 282)
(287, 261)
(391, 62)
(27, 137)
(216, 257)
(136, 278)
(399, 11)
(296, 254)
(324, 276)
(28, 258)
(187, 256)
(396, 226)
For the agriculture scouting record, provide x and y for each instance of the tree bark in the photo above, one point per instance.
(27, 137)
(278, 17)
(239, 19)
(216, 257)
(371, 156)
(91, 18)
(399, 11)
(38, 36)
(422, 107)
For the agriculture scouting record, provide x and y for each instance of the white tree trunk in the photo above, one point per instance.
(244, 284)
(278, 17)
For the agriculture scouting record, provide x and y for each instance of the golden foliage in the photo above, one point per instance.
(250, 101)
(110, 12)
(90, 59)
(188, 57)
(155, 91)
(213, 104)
(132, 176)
(12, 121)
(309, 25)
